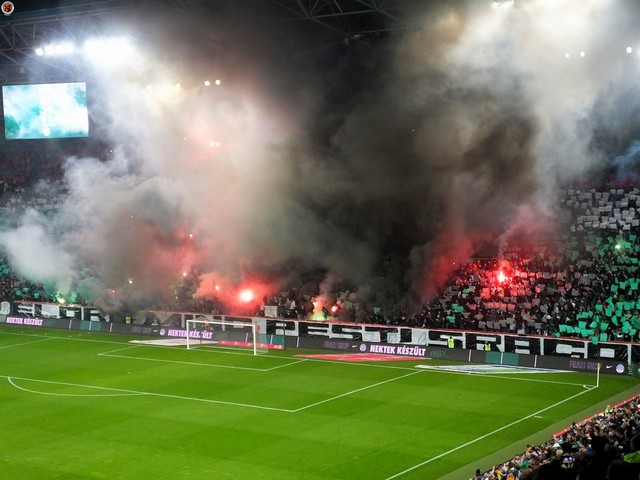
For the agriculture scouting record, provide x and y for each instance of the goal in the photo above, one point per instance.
(205, 332)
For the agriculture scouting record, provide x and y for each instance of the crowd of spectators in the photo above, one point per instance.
(604, 447)
(29, 180)
(584, 286)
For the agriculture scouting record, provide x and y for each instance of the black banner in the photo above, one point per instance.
(485, 347)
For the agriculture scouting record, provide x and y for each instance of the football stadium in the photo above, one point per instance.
(320, 239)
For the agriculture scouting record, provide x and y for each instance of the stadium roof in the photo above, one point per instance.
(318, 25)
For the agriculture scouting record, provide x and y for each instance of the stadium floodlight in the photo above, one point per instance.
(56, 49)
(629, 49)
(204, 332)
(108, 49)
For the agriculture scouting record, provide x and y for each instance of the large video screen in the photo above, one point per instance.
(46, 110)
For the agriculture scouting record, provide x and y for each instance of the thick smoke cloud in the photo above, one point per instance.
(378, 169)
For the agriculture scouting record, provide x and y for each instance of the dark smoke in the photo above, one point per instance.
(376, 168)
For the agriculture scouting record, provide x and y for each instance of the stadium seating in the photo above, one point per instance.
(583, 287)
(599, 448)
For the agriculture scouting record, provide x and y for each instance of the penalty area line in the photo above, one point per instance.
(26, 343)
(27, 390)
(482, 437)
(181, 362)
(113, 354)
(346, 394)
(123, 391)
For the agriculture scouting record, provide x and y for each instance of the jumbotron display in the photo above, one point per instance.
(47, 110)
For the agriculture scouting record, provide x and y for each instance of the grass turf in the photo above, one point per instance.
(78, 405)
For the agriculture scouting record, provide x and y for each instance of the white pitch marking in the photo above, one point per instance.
(25, 343)
(350, 364)
(10, 380)
(110, 353)
(284, 365)
(117, 350)
(136, 392)
(353, 391)
(181, 362)
(471, 442)
(124, 392)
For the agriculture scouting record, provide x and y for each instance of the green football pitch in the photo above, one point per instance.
(78, 405)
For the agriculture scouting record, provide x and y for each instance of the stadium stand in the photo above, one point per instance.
(584, 287)
(604, 447)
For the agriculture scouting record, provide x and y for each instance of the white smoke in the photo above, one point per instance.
(442, 139)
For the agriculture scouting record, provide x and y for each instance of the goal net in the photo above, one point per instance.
(224, 333)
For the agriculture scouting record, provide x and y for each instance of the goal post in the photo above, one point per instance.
(203, 332)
